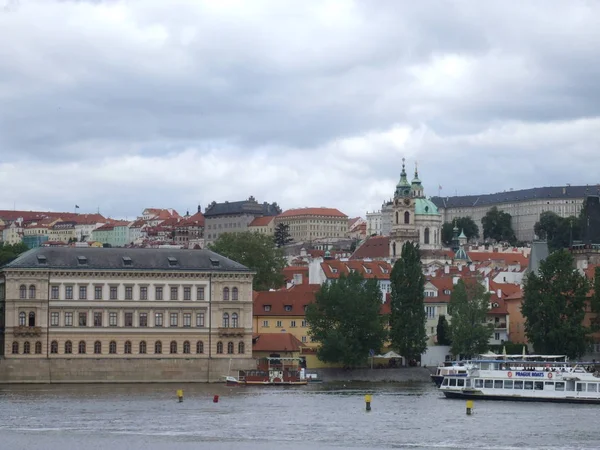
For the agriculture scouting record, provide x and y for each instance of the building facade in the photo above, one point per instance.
(89, 303)
(525, 206)
(234, 217)
(263, 225)
(309, 224)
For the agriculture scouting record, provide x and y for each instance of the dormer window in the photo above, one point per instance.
(288, 307)
(42, 259)
(127, 261)
(172, 261)
(82, 260)
(267, 308)
(447, 291)
(367, 270)
(214, 262)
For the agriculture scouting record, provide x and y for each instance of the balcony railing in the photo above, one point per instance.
(500, 326)
(231, 331)
(25, 331)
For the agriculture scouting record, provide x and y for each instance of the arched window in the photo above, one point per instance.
(38, 348)
(97, 348)
(230, 348)
(397, 218)
(186, 347)
(426, 236)
(22, 319)
(241, 347)
(234, 293)
(173, 347)
(15, 348)
(127, 348)
(406, 217)
(81, 347)
(158, 347)
(112, 348)
(22, 291)
(68, 347)
(32, 291)
(199, 347)
(31, 319)
(54, 347)
(225, 293)
(26, 348)
(225, 320)
(143, 348)
(219, 347)
(234, 320)
(393, 249)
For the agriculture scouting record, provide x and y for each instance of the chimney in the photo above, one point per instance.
(499, 293)
(472, 267)
(199, 208)
(455, 280)
(446, 269)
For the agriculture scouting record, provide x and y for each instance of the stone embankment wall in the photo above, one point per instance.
(119, 370)
(405, 374)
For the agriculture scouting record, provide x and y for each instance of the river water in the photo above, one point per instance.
(319, 416)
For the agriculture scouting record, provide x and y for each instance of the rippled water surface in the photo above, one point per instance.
(323, 416)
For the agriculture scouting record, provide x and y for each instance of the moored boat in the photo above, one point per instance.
(541, 378)
(271, 371)
(458, 369)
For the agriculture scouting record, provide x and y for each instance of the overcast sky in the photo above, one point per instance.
(122, 106)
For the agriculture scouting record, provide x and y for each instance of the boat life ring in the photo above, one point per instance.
(276, 380)
(509, 374)
(550, 375)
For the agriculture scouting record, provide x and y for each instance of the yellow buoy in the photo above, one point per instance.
(368, 401)
(469, 407)
(180, 395)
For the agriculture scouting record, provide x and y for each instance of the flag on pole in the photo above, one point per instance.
(440, 187)
(76, 206)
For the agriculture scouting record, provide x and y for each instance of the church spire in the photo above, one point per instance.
(403, 186)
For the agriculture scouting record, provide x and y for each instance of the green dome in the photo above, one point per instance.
(424, 206)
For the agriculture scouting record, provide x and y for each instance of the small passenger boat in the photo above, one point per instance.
(540, 378)
(458, 369)
(271, 371)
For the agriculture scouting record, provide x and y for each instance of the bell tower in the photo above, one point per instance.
(403, 215)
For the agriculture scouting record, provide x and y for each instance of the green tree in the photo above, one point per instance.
(9, 252)
(346, 320)
(557, 231)
(282, 235)
(257, 252)
(465, 224)
(497, 225)
(468, 307)
(443, 331)
(407, 322)
(554, 307)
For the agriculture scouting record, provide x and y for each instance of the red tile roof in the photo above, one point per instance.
(507, 258)
(333, 268)
(330, 212)
(261, 221)
(275, 342)
(297, 297)
(374, 247)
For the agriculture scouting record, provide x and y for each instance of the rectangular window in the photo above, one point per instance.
(82, 319)
(304, 323)
(187, 293)
(303, 338)
(159, 293)
(143, 293)
(113, 293)
(497, 384)
(430, 311)
(508, 384)
(173, 319)
(82, 292)
(54, 293)
(580, 387)
(200, 293)
(278, 324)
(265, 323)
(158, 320)
(489, 384)
(293, 323)
(68, 319)
(69, 292)
(478, 383)
(518, 384)
(97, 319)
(528, 385)
(174, 293)
(112, 319)
(200, 320)
(97, 292)
(497, 336)
(143, 319)
(187, 320)
(128, 293)
(592, 387)
(54, 317)
(128, 319)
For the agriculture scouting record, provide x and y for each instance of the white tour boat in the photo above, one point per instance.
(549, 378)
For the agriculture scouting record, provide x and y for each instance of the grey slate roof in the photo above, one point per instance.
(539, 252)
(73, 258)
(552, 192)
(242, 207)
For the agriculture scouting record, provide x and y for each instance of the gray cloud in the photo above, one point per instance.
(123, 105)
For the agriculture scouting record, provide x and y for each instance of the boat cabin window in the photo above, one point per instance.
(478, 383)
(460, 382)
(497, 384)
(445, 382)
(508, 384)
(528, 385)
(559, 386)
(580, 387)
(468, 383)
(538, 385)
(489, 383)
(549, 385)
(518, 384)
(452, 381)
(570, 386)
(592, 387)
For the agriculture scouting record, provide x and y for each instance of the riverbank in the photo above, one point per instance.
(403, 374)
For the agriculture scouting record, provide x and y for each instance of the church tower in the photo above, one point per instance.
(403, 213)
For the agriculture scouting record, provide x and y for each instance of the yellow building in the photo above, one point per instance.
(263, 225)
(308, 224)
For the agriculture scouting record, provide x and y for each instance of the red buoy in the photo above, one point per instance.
(216, 399)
